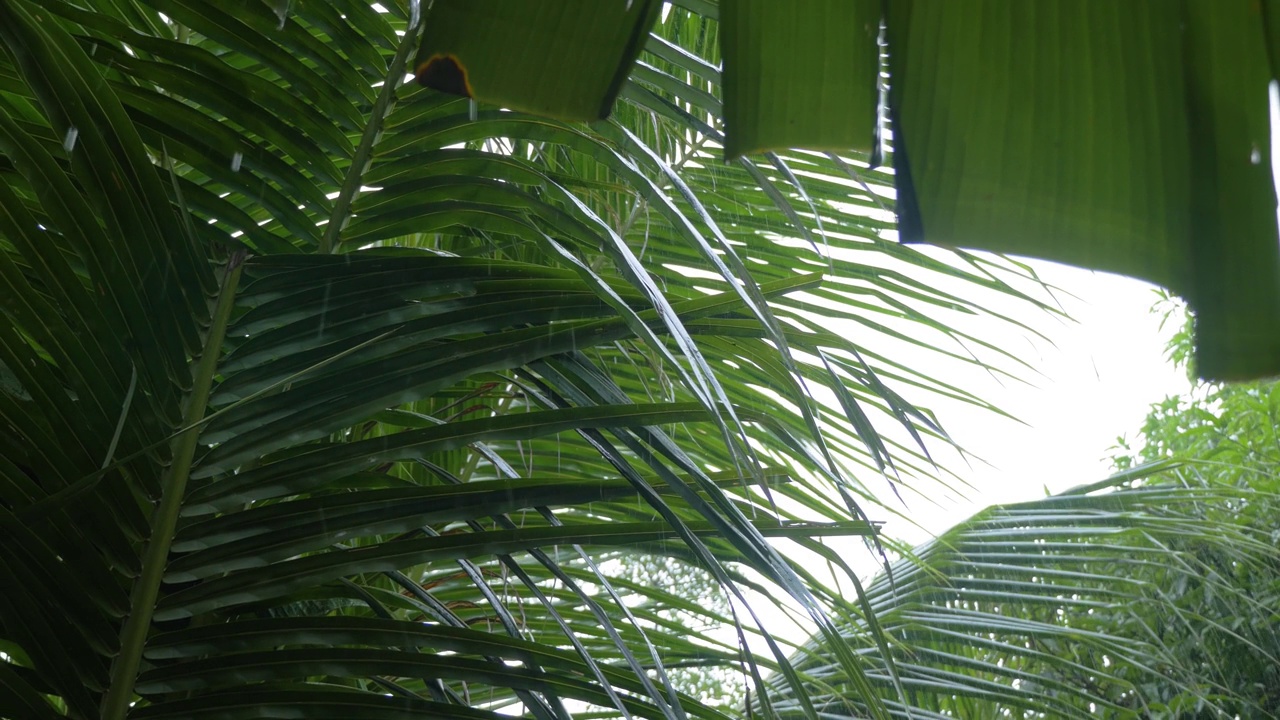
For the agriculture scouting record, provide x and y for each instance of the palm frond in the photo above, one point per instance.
(1124, 597)
(327, 394)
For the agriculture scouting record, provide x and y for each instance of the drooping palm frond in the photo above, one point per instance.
(326, 395)
(1141, 596)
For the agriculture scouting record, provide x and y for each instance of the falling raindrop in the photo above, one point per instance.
(1255, 156)
(69, 140)
(236, 157)
(281, 8)
(414, 13)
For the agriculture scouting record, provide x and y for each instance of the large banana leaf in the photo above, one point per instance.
(324, 395)
(1127, 137)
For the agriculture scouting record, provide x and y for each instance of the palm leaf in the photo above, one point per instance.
(326, 394)
(1072, 604)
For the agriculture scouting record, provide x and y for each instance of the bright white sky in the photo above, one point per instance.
(1098, 379)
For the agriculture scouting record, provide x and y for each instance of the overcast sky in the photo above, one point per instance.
(1097, 381)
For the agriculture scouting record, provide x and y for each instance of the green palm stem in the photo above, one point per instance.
(363, 156)
(124, 668)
